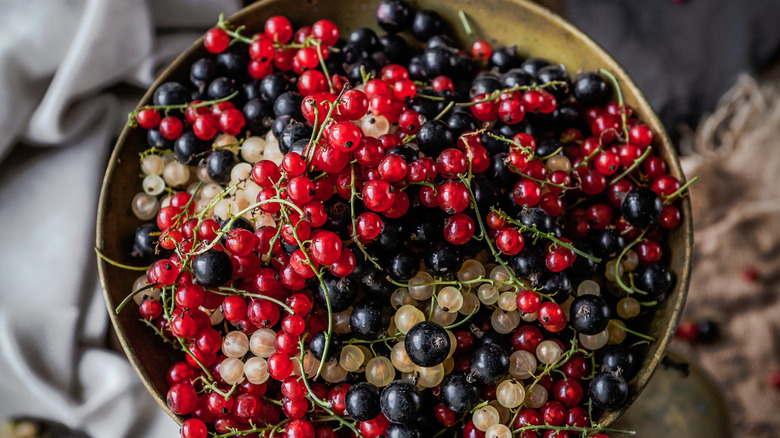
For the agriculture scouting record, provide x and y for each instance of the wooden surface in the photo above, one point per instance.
(535, 30)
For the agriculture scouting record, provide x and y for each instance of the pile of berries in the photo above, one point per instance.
(356, 237)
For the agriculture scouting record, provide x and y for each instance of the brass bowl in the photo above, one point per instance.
(535, 30)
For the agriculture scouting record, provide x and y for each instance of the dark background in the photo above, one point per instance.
(682, 55)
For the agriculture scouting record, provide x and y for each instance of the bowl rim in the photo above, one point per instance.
(658, 348)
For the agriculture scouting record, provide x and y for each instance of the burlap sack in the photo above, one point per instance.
(736, 208)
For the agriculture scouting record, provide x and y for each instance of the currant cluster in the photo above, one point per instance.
(358, 237)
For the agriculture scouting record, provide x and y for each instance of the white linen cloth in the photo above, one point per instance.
(59, 120)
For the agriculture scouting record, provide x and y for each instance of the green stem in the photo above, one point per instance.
(542, 182)
(483, 230)
(495, 95)
(550, 367)
(132, 294)
(318, 274)
(636, 164)
(235, 34)
(318, 45)
(159, 333)
(226, 227)
(354, 236)
(465, 21)
(619, 94)
(203, 368)
(281, 304)
(620, 256)
(374, 341)
(462, 321)
(119, 265)
(526, 149)
(313, 397)
(669, 199)
(445, 110)
(635, 333)
(549, 236)
(184, 105)
(480, 405)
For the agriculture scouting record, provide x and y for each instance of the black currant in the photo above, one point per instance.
(369, 319)
(458, 393)
(486, 193)
(317, 346)
(289, 104)
(398, 430)
(607, 242)
(406, 152)
(465, 69)
(426, 24)
(555, 73)
(484, 83)
(709, 331)
(590, 89)
(641, 207)
(293, 132)
(460, 122)
(589, 314)
(505, 58)
(537, 218)
(608, 391)
(395, 48)
(533, 65)
(362, 401)
(221, 87)
(273, 86)
(259, 116)
(516, 77)
(656, 280)
(427, 344)
(233, 63)
(145, 241)
(438, 61)
(393, 16)
(213, 268)
(489, 364)
(617, 359)
(171, 93)
(404, 265)
(439, 41)
(376, 285)
(547, 146)
(529, 262)
(558, 286)
(499, 173)
(401, 402)
(433, 137)
(219, 164)
(428, 229)
(155, 140)
(364, 39)
(278, 125)
(202, 72)
(339, 218)
(341, 292)
(443, 259)
(583, 267)
(493, 337)
(394, 234)
(188, 148)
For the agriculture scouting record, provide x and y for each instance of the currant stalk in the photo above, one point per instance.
(132, 118)
(549, 236)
